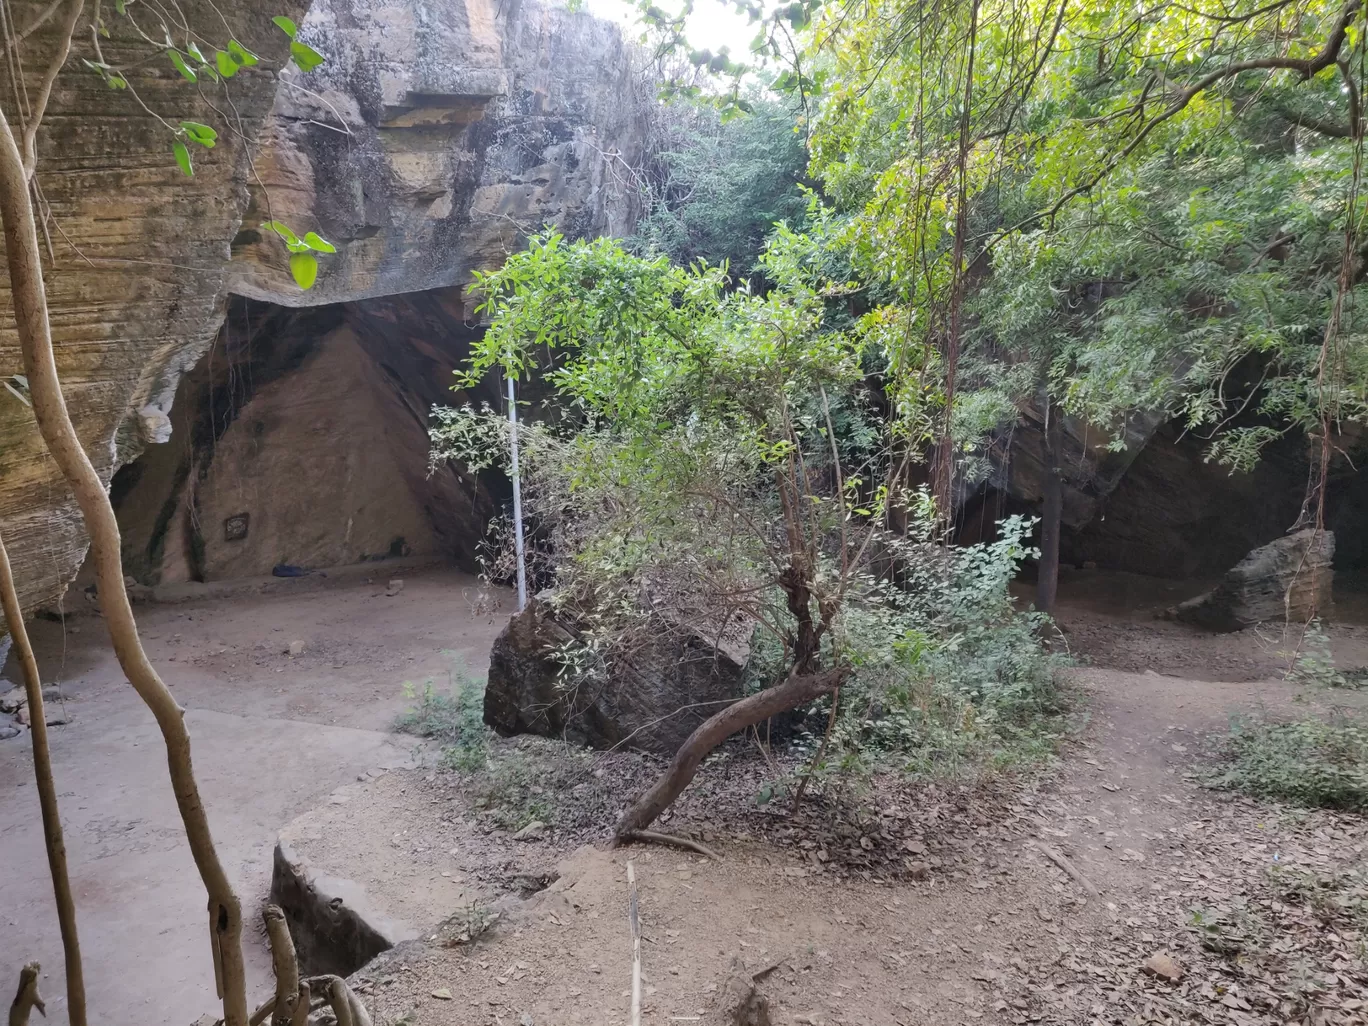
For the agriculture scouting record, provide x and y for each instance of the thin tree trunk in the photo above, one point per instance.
(47, 794)
(712, 732)
(1051, 508)
(35, 337)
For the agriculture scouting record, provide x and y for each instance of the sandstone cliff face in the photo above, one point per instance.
(435, 138)
(432, 141)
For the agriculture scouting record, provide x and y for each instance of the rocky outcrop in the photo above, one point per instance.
(648, 695)
(432, 141)
(303, 440)
(1177, 513)
(1286, 580)
(137, 272)
(435, 138)
(1090, 470)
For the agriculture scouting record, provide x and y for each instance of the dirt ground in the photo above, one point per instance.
(1115, 621)
(1251, 901)
(995, 933)
(273, 734)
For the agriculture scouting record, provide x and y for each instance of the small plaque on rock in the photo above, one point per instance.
(235, 527)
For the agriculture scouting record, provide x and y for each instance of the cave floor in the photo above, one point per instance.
(273, 735)
(989, 931)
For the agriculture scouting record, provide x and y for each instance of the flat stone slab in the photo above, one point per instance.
(352, 885)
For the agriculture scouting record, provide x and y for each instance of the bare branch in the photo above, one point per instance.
(45, 90)
(30, 308)
(47, 795)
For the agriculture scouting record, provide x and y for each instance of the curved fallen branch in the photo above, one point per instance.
(1069, 868)
(712, 732)
(47, 794)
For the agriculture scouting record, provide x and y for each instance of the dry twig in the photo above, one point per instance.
(1074, 872)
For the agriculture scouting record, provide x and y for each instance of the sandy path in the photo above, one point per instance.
(273, 735)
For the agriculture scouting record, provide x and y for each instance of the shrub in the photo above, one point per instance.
(454, 718)
(1309, 762)
(1314, 663)
(950, 678)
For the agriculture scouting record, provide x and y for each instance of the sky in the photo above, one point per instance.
(713, 25)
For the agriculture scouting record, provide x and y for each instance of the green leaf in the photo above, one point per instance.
(116, 81)
(181, 66)
(317, 243)
(244, 56)
(305, 56)
(225, 62)
(202, 134)
(281, 229)
(182, 153)
(286, 25)
(120, 6)
(304, 268)
(195, 52)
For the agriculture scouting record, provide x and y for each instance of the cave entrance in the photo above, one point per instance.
(300, 439)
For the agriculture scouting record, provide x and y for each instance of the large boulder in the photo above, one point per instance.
(649, 695)
(1287, 579)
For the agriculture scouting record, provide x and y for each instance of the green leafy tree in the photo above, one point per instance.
(695, 473)
(716, 188)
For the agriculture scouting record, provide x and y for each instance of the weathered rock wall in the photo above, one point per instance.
(436, 138)
(432, 141)
(138, 268)
(301, 438)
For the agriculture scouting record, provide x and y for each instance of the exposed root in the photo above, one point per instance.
(655, 837)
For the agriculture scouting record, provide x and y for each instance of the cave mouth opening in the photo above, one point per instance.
(1176, 522)
(300, 439)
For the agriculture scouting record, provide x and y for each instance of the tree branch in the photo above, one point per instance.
(30, 308)
(47, 795)
(712, 732)
(284, 962)
(45, 90)
(1306, 67)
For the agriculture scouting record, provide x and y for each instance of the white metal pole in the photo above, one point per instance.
(517, 498)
